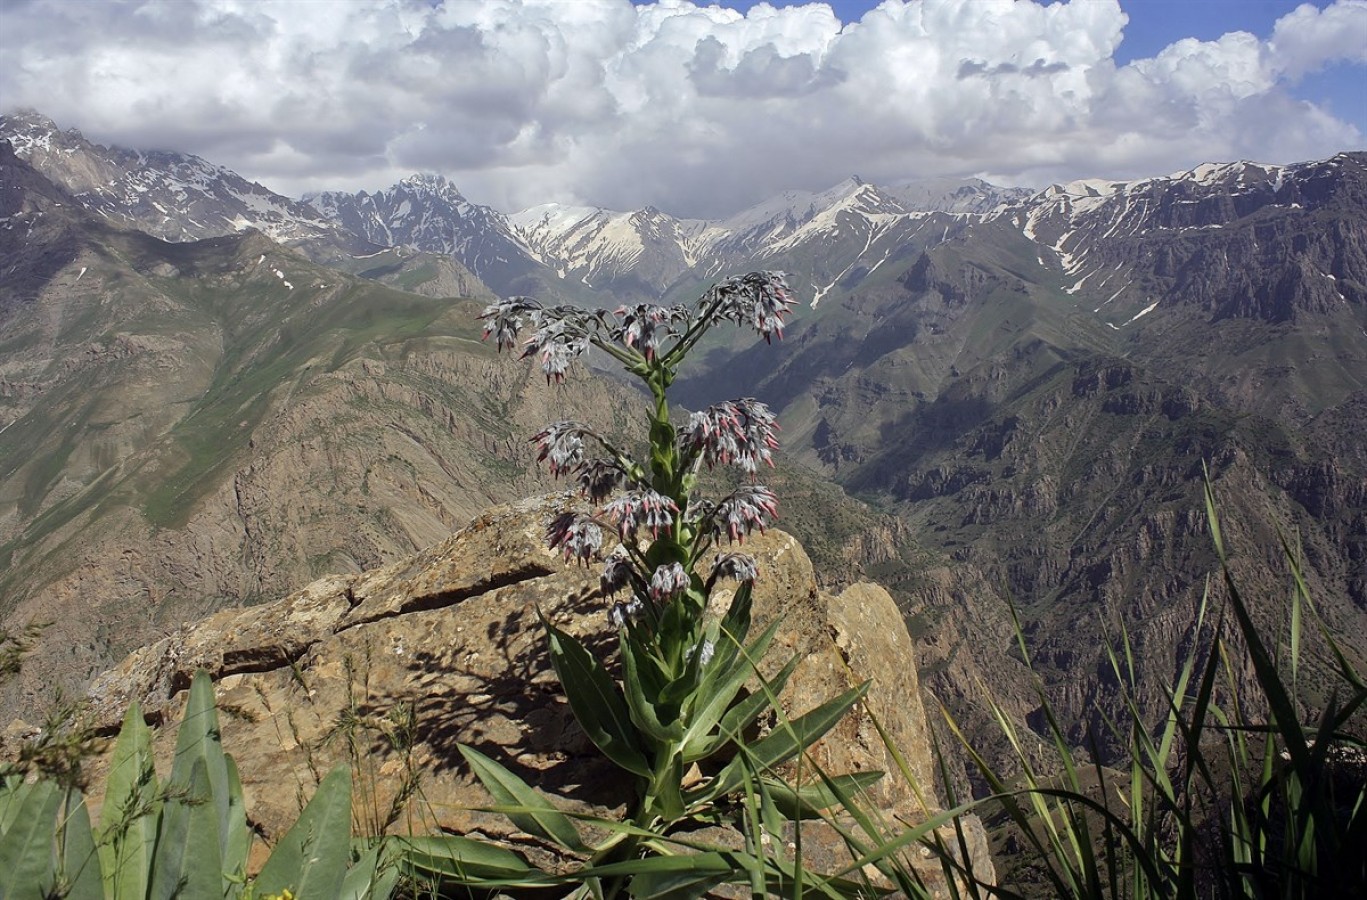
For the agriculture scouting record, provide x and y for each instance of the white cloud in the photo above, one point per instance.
(697, 110)
(1307, 38)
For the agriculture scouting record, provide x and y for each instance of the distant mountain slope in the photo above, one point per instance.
(428, 213)
(1036, 398)
(185, 426)
(178, 197)
(173, 196)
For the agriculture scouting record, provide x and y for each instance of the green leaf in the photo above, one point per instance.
(785, 742)
(187, 864)
(311, 859)
(374, 875)
(740, 716)
(238, 839)
(199, 739)
(682, 876)
(808, 802)
(596, 701)
(467, 861)
(644, 713)
(80, 863)
(26, 861)
(13, 792)
(719, 688)
(711, 861)
(128, 820)
(535, 814)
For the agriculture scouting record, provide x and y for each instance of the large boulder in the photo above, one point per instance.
(392, 668)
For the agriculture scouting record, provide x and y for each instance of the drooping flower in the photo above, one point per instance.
(641, 509)
(557, 343)
(619, 614)
(643, 325)
(740, 566)
(759, 299)
(668, 582)
(598, 478)
(504, 320)
(562, 444)
(616, 572)
(576, 535)
(749, 507)
(736, 431)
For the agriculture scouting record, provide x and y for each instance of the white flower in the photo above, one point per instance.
(668, 582)
(575, 534)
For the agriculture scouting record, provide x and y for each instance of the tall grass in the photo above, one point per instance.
(1227, 796)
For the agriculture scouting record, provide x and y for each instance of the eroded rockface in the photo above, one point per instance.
(445, 647)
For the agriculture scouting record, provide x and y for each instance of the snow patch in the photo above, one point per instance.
(1144, 312)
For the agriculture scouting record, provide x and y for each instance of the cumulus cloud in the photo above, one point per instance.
(695, 109)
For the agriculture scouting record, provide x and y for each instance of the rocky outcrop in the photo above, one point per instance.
(394, 667)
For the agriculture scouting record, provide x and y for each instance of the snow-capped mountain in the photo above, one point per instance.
(427, 212)
(645, 251)
(1198, 236)
(820, 238)
(955, 195)
(173, 196)
(1119, 246)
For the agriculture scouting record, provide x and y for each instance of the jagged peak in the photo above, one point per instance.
(432, 183)
(29, 117)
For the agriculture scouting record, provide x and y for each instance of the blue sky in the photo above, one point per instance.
(694, 108)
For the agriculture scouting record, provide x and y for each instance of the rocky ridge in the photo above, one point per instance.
(445, 647)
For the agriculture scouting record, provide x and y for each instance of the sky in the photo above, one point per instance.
(697, 110)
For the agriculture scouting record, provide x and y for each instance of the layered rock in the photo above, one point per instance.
(393, 668)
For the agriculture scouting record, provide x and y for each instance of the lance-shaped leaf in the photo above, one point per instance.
(659, 723)
(534, 813)
(311, 859)
(26, 863)
(187, 864)
(787, 741)
(132, 808)
(717, 691)
(596, 701)
(375, 873)
(808, 801)
(467, 861)
(199, 739)
(79, 863)
(13, 793)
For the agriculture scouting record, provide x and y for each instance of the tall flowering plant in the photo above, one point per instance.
(679, 701)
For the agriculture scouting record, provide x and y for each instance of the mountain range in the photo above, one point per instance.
(210, 393)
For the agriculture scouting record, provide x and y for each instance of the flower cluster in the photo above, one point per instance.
(737, 431)
(642, 326)
(503, 320)
(561, 445)
(576, 535)
(641, 509)
(598, 478)
(739, 566)
(759, 300)
(749, 507)
(668, 582)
